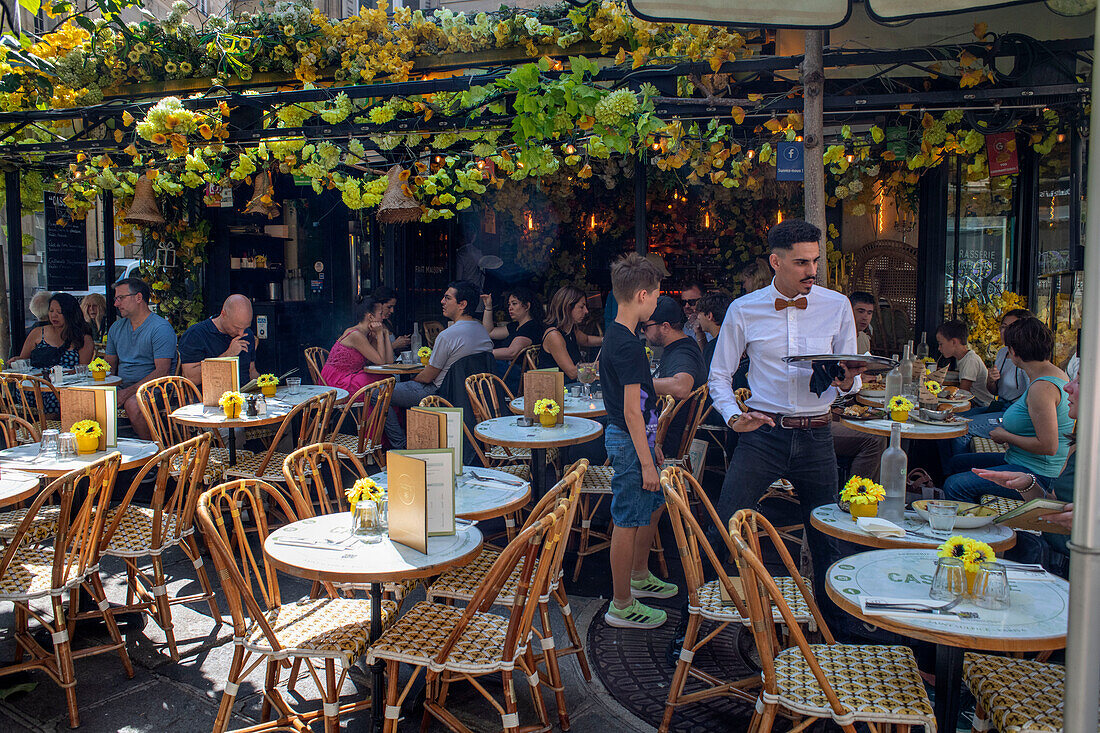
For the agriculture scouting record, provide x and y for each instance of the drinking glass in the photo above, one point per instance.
(293, 383)
(586, 375)
(47, 448)
(991, 586)
(366, 521)
(66, 447)
(941, 516)
(949, 582)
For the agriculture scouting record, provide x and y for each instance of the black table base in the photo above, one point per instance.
(949, 667)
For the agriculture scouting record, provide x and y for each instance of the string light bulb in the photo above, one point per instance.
(779, 216)
(706, 220)
(530, 222)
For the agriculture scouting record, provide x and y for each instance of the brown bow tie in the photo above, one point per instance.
(799, 303)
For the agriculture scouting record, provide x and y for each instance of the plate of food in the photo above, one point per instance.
(967, 515)
(954, 395)
(933, 417)
(861, 412)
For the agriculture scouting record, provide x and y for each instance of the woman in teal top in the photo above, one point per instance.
(1034, 428)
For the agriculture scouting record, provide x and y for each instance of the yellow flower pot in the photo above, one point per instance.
(232, 412)
(899, 415)
(86, 444)
(268, 390)
(864, 510)
(424, 360)
(547, 420)
(99, 376)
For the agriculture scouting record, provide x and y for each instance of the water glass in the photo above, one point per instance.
(949, 582)
(47, 448)
(66, 447)
(991, 586)
(366, 521)
(941, 516)
(293, 383)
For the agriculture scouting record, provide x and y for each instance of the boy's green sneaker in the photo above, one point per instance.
(635, 616)
(652, 587)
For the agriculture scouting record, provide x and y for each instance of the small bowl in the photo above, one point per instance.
(970, 516)
(938, 415)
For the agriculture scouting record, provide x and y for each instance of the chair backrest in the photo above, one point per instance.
(762, 593)
(21, 395)
(453, 386)
(694, 408)
(367, 409)
(310, 418)
(315, 360)
(431, 330)
(14, 431)
(317, 467)
(489, 396)
(158, 398)
(531, 357)
(534, 547)
(435, 400)
(83, 497)
(239, 559)
(178, 480)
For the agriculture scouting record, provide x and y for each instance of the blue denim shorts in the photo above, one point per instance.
(631, 506)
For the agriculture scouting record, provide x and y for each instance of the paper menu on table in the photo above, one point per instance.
(435, 470)
(437, 427)
(540, 384)
(99, 403)
(406, 500)
(219, 375)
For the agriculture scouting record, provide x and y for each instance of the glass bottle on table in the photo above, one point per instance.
(893, 468)
(907, 362)
(893, 383)
(922, 347)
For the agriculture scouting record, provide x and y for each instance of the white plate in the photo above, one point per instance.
(873, 393)
(968, 522)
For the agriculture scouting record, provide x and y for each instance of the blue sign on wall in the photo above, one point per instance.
(788, 163)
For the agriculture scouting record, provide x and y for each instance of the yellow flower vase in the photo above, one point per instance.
(232, 412)
(86, 444)
(99, 376)
(864, 510)
(424, 360)
(971, 577)
(899, 415)
(268, 390)
(547, 420)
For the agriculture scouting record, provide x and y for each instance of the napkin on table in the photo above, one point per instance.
(879, 527)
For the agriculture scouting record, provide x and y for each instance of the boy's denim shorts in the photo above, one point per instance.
(631, 506)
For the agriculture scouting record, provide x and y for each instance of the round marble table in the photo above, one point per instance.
(953, 405)
(835, 522)
(1036, 619)
(25, 458)
(69, 380)
(509, 433)
(483, 493)
(394, 370)
(312, 557)
(15, 486)
(574, 406)
(303, 393)
(910, 430)
(213, 417)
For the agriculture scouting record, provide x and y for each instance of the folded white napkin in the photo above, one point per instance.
(879, 527)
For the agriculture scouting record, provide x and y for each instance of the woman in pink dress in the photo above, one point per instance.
(365, 343)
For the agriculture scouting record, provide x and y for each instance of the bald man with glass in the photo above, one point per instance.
(227, 334)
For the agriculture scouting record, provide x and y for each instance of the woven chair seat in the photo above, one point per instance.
(877, 684)
(134, 536)
(399, 589)
(597, 480)
(711, 605)
(520, 470)
(336, 628)
(985, 445)
(419, 635)
(42, 527)
(248, 465)
(30, 575)
(1017, 695)
(1001, 503)
(460, 584)
(215, 469)
(53, 425)
(500, 453)
(351, 442)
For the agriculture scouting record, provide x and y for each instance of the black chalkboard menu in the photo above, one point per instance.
(66, 247)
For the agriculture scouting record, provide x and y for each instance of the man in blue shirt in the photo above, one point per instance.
(141, 346)
(227, 334)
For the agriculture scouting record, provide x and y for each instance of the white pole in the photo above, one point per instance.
(1083, 640)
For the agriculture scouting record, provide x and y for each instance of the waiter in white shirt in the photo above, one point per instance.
(785, 431)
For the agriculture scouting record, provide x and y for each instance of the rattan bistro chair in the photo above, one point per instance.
(489, 398)
(312, 417)
(14, 431)
(22, 395)
(323, 632)
(147, 532)
(462, 645)
(366, 410)
(315, 360)
(30, 572)
(1015, 695)
(847, 683)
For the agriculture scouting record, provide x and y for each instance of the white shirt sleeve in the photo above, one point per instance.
(727, 357)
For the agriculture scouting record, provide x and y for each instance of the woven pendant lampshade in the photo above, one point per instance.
(144, 209)
(262, 189)
(396, 206)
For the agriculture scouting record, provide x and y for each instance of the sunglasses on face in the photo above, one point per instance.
(690, 301)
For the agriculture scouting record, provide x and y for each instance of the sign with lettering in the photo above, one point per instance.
(66, 247)
(1001, 151)
(789, 162)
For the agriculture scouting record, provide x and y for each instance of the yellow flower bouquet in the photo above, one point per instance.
(231, 402)
(547, 410)
(364, 488)
(863, 496)
(424, 353)
(87, 434)
(365, 497)
(971, 552)
(99, 368)
(934, 387)
(899, 408)
(267, 383)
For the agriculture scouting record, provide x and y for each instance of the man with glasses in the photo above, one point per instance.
(141, 346)
(689, 299)
(681, 369)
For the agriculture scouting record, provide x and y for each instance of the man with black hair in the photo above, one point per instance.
(783, 425)
(863, 308)
(710, 312)
(682, 369)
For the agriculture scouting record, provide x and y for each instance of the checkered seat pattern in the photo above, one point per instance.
(1001, 503)
(324, 628)
(43, 526)
(1015, 695)
(985, 445)
(712, 607)
(30, 575)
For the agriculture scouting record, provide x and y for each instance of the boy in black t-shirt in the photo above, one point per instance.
(631, 403)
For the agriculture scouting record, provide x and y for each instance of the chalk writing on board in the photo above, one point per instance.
(66, 247)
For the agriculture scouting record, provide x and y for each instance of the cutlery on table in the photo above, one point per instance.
(499, 480)
(311, 545)
(916, 607)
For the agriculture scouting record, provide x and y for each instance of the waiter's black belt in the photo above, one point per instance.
(800, 423)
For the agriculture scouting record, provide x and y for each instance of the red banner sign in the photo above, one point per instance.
(1001, 151)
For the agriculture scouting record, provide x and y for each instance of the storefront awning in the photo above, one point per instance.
(799, 13)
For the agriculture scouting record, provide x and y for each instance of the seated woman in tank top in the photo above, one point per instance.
(562, 340)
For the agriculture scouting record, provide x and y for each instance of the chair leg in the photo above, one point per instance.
(531, 669)
(21, 630)
(63, 657)
(679, 678)
(191, 549)
(766, 719)
(131, 581)
(389, 724)
(571, 629)
(553, 671)
(271, 680)
(99, 595)
(662, 566)
(164, 607)
(979, 723)
(331, 698)
(510, 720)
(229, 695)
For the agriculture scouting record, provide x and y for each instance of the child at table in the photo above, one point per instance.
(631, 403)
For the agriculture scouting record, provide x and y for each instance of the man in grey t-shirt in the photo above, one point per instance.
(464, 337)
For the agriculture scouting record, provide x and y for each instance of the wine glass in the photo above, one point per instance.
(586, 375)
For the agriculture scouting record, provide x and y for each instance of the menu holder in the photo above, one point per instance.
(420, 496)
(1029, 516)
(219, 375)
(543, 384)
(254, 384)
(436, 427)
(99, 403)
